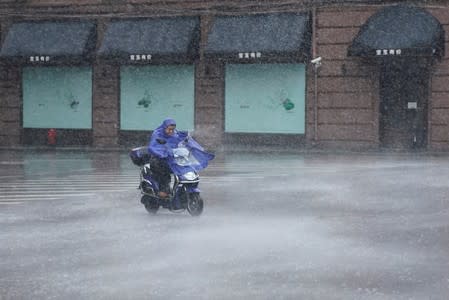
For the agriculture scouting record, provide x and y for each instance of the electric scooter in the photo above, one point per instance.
(187, 160)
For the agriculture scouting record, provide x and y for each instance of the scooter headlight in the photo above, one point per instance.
(190, 176)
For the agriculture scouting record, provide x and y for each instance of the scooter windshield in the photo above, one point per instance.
(189, 156)
(183, 157)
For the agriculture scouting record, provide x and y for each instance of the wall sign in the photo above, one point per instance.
(140, 57)
(38, 58)
(383, 52)
(412, 105)
(248, 55)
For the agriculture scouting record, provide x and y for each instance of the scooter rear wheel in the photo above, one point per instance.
(195, 204)
(150, 203)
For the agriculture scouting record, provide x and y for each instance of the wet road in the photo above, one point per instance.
(286, 226)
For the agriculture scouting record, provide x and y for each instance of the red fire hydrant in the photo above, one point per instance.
(51, 137)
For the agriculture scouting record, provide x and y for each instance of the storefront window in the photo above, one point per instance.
(57, 97)
(150, 94)
(265, 98)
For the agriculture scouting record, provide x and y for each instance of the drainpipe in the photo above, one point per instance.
(429, 105)
(316, 65)
(315, 103)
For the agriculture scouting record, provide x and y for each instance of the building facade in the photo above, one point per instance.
(329, 74)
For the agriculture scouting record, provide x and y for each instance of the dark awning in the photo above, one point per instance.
(49, 41)
(259, 36)
(399, 31)
(152, 39)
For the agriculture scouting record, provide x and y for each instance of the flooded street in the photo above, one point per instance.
(275, 226)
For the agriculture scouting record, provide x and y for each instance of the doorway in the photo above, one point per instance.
(404, 87)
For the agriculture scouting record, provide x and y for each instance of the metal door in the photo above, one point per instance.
(403, 104)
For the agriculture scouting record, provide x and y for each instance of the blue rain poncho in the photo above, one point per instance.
(162, 146)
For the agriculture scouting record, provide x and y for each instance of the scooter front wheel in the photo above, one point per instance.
(195, 204)
(150, 203)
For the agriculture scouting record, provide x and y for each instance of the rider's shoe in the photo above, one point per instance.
(162, 194)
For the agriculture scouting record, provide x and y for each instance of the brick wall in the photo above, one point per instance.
(105, 98)
(348, 94)
(209, 95)
(10, 106)
(105, 105)
(145, 7)
(348, 91)
(439, 95)
(209, 103)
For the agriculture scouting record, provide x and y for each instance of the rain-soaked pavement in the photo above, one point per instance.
(275, 226)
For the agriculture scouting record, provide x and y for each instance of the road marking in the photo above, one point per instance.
(12, 163)
(65, 185)
(17, 189)
(43, 195)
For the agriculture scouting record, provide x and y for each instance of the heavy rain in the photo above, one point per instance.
(279, 225)
(325, 127)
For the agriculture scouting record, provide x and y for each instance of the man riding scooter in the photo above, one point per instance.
(171, 152)
(162, 142)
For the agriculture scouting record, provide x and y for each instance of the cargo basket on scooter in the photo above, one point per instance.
(140, 156)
